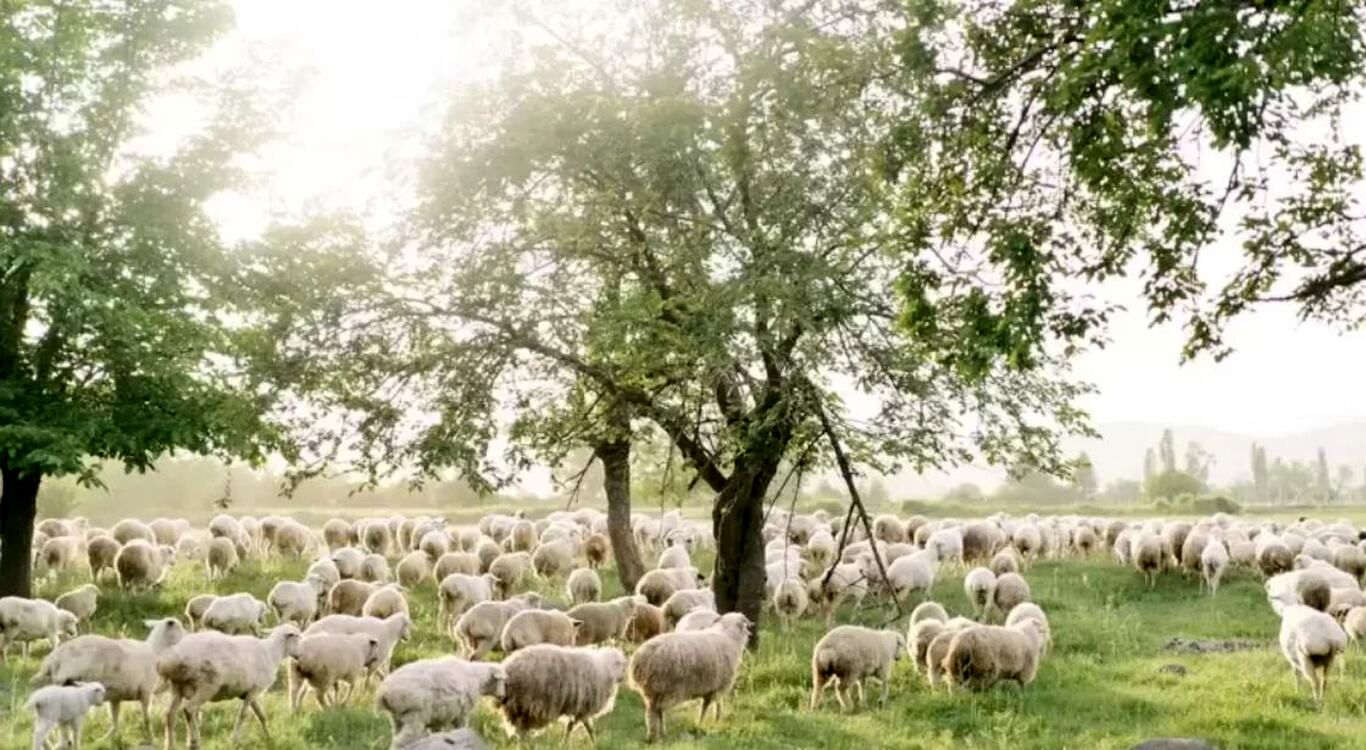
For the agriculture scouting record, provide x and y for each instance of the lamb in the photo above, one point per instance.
(983, 655)
(298, 601)
(101, 552)
(80, 602)
(790, 601)
(207, 667)
(388, 631)
(677, 667)
(533, 626)
(375, 569)
(1213, 561)
(980, 587)
(659, 584)
(386, 601)
(413, 569)
(126, 668)
(1011, 589)
(221, 558)
(682, 602)
(583, 585)
(1310, 640)
(508, 570)
(349, 595)
(546, 682)
(480, 629)
(62, 707)
(458, 592)
(435, 695)
(328, 660)
(850, 654)
(141, 565)
(236, 614)
(27, 620)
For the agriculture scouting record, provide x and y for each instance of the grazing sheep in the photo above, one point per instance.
(126, 668)
(646, 622)
(324, 569)
(433, 695)
(596, 548)
(434, 544)
(388, 631)
(682, 602)
(1310, 640)
(348, 561)
(195, 609)
(1213, 561)
(523, 536)
(983, 655)
(414, 568)
(349, 595)
(208, 667)
(480, 629)
(328, 660)
(1354, 623)
(583, 585)
(101, 552)
(532, 626)
(62, 553)
(605, 621)
(375, 569)
(980, 541)
(553, 559)
(850, 654)
(980, 586)
(889, 529)
(141, 565)
(546, 682)
(508, 570)
(1005, 561)
(1149, 556)
(336, 533)
(236, 614)
(129, 529)
(938, 645)
(677, 667)
(221, 558)
(62, 707)
(1011, 589)
(80, 602)
(466, 563)
(1273, 556)
(387, 601)
(790, 601)
(698, 619)
(1032, 611)
(458, 592)
(1350, 560)
(928, 611)
(914, 572)
(26, 620)
(660, 584)
(377, 537)
(845, 581)
(298, 601)
(675, 556)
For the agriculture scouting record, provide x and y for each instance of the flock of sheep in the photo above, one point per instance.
(340, 626)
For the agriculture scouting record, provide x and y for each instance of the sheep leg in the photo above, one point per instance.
(320, 694)
(146, 704)
(237, 725)
(839, 696)
(113, 721)
(702, 712)
(862, 700)
(817, 691)
(40, 733)
(170, 720)
(886, 678)
(76, 731)
(260, 716)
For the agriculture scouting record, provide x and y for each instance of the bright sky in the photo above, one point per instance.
(375, 71)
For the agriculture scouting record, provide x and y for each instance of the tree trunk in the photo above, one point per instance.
(738, 522)
(616, 472)
(18, 509)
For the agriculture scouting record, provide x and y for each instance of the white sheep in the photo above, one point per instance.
(324, 569)
(62, 707)
(221, 558)
(659, 584)
(298, 601)
(209, 666)
(1032, 611)
(388, 600)
(848, 655)
(914, 572)
(546, 682)
(980, 586)
(127, 668)
(375, 569)
(141, 565)
(457, 562)
(388, 631)
(81, 602)
(458, 592)
(675, 556)
(790, 600)
(983, 655)
(1213, 561)
(235, 614)
(675, 667)
(328, 660)
(600, 622)
(348, 561)
(700, 618)
(532, 626)
(1310, 640)
(682, 602)
(26, 620)
(413, 569)
(583, 585)
(435, 695)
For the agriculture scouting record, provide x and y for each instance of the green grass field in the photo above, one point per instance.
(1102, 686)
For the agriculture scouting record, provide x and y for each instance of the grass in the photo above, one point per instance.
(1101, 688)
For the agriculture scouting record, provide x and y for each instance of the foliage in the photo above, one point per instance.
(1035, 488)
(967, 492)
(1170, 484)
(59, 499)
(1121, 491)
(1084, 476)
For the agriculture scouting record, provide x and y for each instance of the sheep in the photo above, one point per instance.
(600, 622)
(1273, 556)
(80, 602)
(918, 638)
(1310, 640)
(983, 655)
(533, 626)
(675, 556)
(938, 645)
(1354, 623)
(546, 682)
(523, 536)
(126, 668)
(1032, 611)
(336, 533)
(596, 548)
(508, 570)
(129, 529)
(62, 553)
(101, 552)
(377, 537)
(458, 739)
(141, 565)
(62, 707)
(1011, 589)
(685, 601)
(375, 569)
(850, 654)
(659, 584)
(928, 611)
(980, 541)
(386, 601)
(466, 563)
(1350, 560)
(583, 585)
(458, 592)
(195, 609)
(1149, 556)
(790, 601)
(221, 558)
(1005, 561)
(914, 572)
(348, 561)
(413, 569)
(298, 601)
(832, 587)
(487, 551)
(434, 544)
(324, 569)
(349, 595)
(888, 529)
(700, 618)
(980, 586)
(326, 660)
(480, 629)
(646, 622)
(388, 631)
(436, 694)
(1213, 561)
(677, 667)
(208, 667)
(27, 620)
(236, 614)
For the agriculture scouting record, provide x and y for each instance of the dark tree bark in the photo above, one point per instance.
(18, 511)
(616, 472)
(738, 523)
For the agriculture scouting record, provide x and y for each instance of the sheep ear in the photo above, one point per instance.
(577, 624)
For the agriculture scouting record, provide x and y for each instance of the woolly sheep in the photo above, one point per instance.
(600, 622)
(1213, 561)
(790, 601)
(1273, 556)
(326, 570)
(101, 553)
(1149, 556)
(298, 601)
(1350, 560)
(458, 592)
(1032, 611)
(62, 707)
(480, 629)
(435, 695)
(1011, 589)
(1354, 623)
(1310, 640)
(196, 607)
(208, 667)
(980, 586)
(129, 529)
(646, 622)
(348, 561)
(328, 660)
(349, 595)
(659, 584)
(467, 563)
(700, 618)
(888, 528)
(533, 626)
(388, 631)
(26, 620)
(386, 601)
(62, 553)
(141, 565)
(914, 572)
(849, 654)
(546, 682)
(336, 533)
(1005, 561)
(434, 544)
(377, 537)
(508, 570)
(928, 611)
(938, 645)
(126, 668)
(235, 614)
(221, 558)
(684, 601)
(983, 655)
(832, 587)
(375, 569)
(677, 667)
(675, 557)
(583, 585)
(980, 541)
(80, 602)
(596, 549)
(414, 568)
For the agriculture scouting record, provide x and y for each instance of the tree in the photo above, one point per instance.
(1149, 465)
(1342, 481)
(1122, 491)
(1084, 476)
(1260, 474)
(1198, 461)
(1173, 484)
(688, 224)
(117, 322)
(967, 492)
(1166, 450)
(1323, 484)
